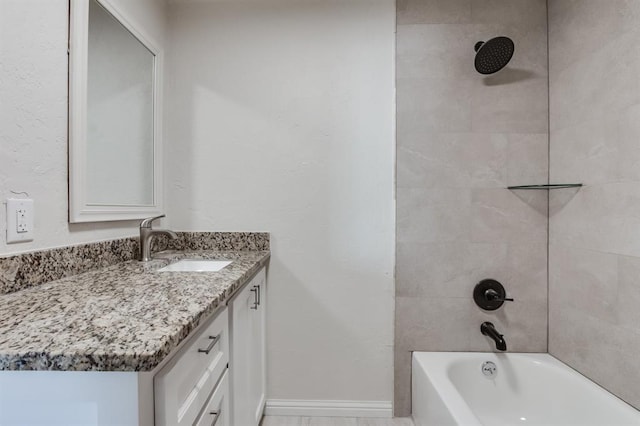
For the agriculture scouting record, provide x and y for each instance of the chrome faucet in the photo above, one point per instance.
(147, 233)
(488, 329)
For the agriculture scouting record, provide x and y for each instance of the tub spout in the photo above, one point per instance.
(488, 329)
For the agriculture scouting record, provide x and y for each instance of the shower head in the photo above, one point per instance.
(493, 55)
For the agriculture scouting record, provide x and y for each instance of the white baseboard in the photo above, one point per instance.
(325, 408)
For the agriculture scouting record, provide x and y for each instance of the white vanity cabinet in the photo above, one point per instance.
(248, 360)
(218, 377)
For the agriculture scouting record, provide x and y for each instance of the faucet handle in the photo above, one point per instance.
(492, 295)
(146, 223)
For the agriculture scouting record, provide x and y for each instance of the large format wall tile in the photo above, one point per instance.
(451, 270)
(453, 160)
(433, 105)
(521, 13)
(462, 138)
(583, 153)
(580, 27)
(471, 160)
(435, 51)
(527, 159)
(421, 328)
(594, 232)
(433, 215)
(433, 11)
(584, 279)
(627, 314)
(600, 217)
(600, 83)
(501, 108)
(599, 151)
(523, 323)
(448, 269)
(602, 351)
(504, 216)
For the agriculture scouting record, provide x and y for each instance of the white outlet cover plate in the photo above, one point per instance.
(13, 206)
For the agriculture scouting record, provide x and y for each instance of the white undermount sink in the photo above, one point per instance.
(195, 265)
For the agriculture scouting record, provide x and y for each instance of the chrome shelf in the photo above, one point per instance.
(547, 186)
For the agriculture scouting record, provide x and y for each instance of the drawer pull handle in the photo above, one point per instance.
(217, 414)
(255, 297)
(259, 295)
(214, 340)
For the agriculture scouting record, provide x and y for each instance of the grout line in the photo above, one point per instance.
(548, 176)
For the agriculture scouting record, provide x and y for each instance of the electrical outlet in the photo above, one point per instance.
(19, 220)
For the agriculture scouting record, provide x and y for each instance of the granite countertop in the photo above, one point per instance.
(125, 317)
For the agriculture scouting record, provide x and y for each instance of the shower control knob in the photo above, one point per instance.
(490, 295)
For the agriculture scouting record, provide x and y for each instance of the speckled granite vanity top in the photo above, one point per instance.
(124, 317)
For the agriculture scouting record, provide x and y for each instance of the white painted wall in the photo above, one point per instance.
(281, 119)
(33, 116)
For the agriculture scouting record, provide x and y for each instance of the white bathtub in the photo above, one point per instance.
(449, 388)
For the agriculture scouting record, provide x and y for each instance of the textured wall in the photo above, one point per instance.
(462, 138)
(281, 120)
(594, 252)
(33, 117)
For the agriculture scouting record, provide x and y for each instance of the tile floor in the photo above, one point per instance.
(332, 421)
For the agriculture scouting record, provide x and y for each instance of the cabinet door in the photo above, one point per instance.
(258, 353)
(241, 309)
(247, 367)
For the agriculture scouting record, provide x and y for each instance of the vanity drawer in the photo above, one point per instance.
(184, 384)
(216, 412)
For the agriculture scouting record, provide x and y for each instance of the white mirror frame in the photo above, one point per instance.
(79, 209)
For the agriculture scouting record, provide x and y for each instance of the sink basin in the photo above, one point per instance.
(195, 265)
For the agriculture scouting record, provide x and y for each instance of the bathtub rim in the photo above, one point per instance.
(441, 362)
(446, 391)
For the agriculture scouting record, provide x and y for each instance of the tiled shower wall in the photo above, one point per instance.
(594, 247)
(462, 139)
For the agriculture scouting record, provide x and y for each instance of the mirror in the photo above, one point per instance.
(114, 140)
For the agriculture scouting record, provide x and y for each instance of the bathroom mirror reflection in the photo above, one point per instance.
(114, 95)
